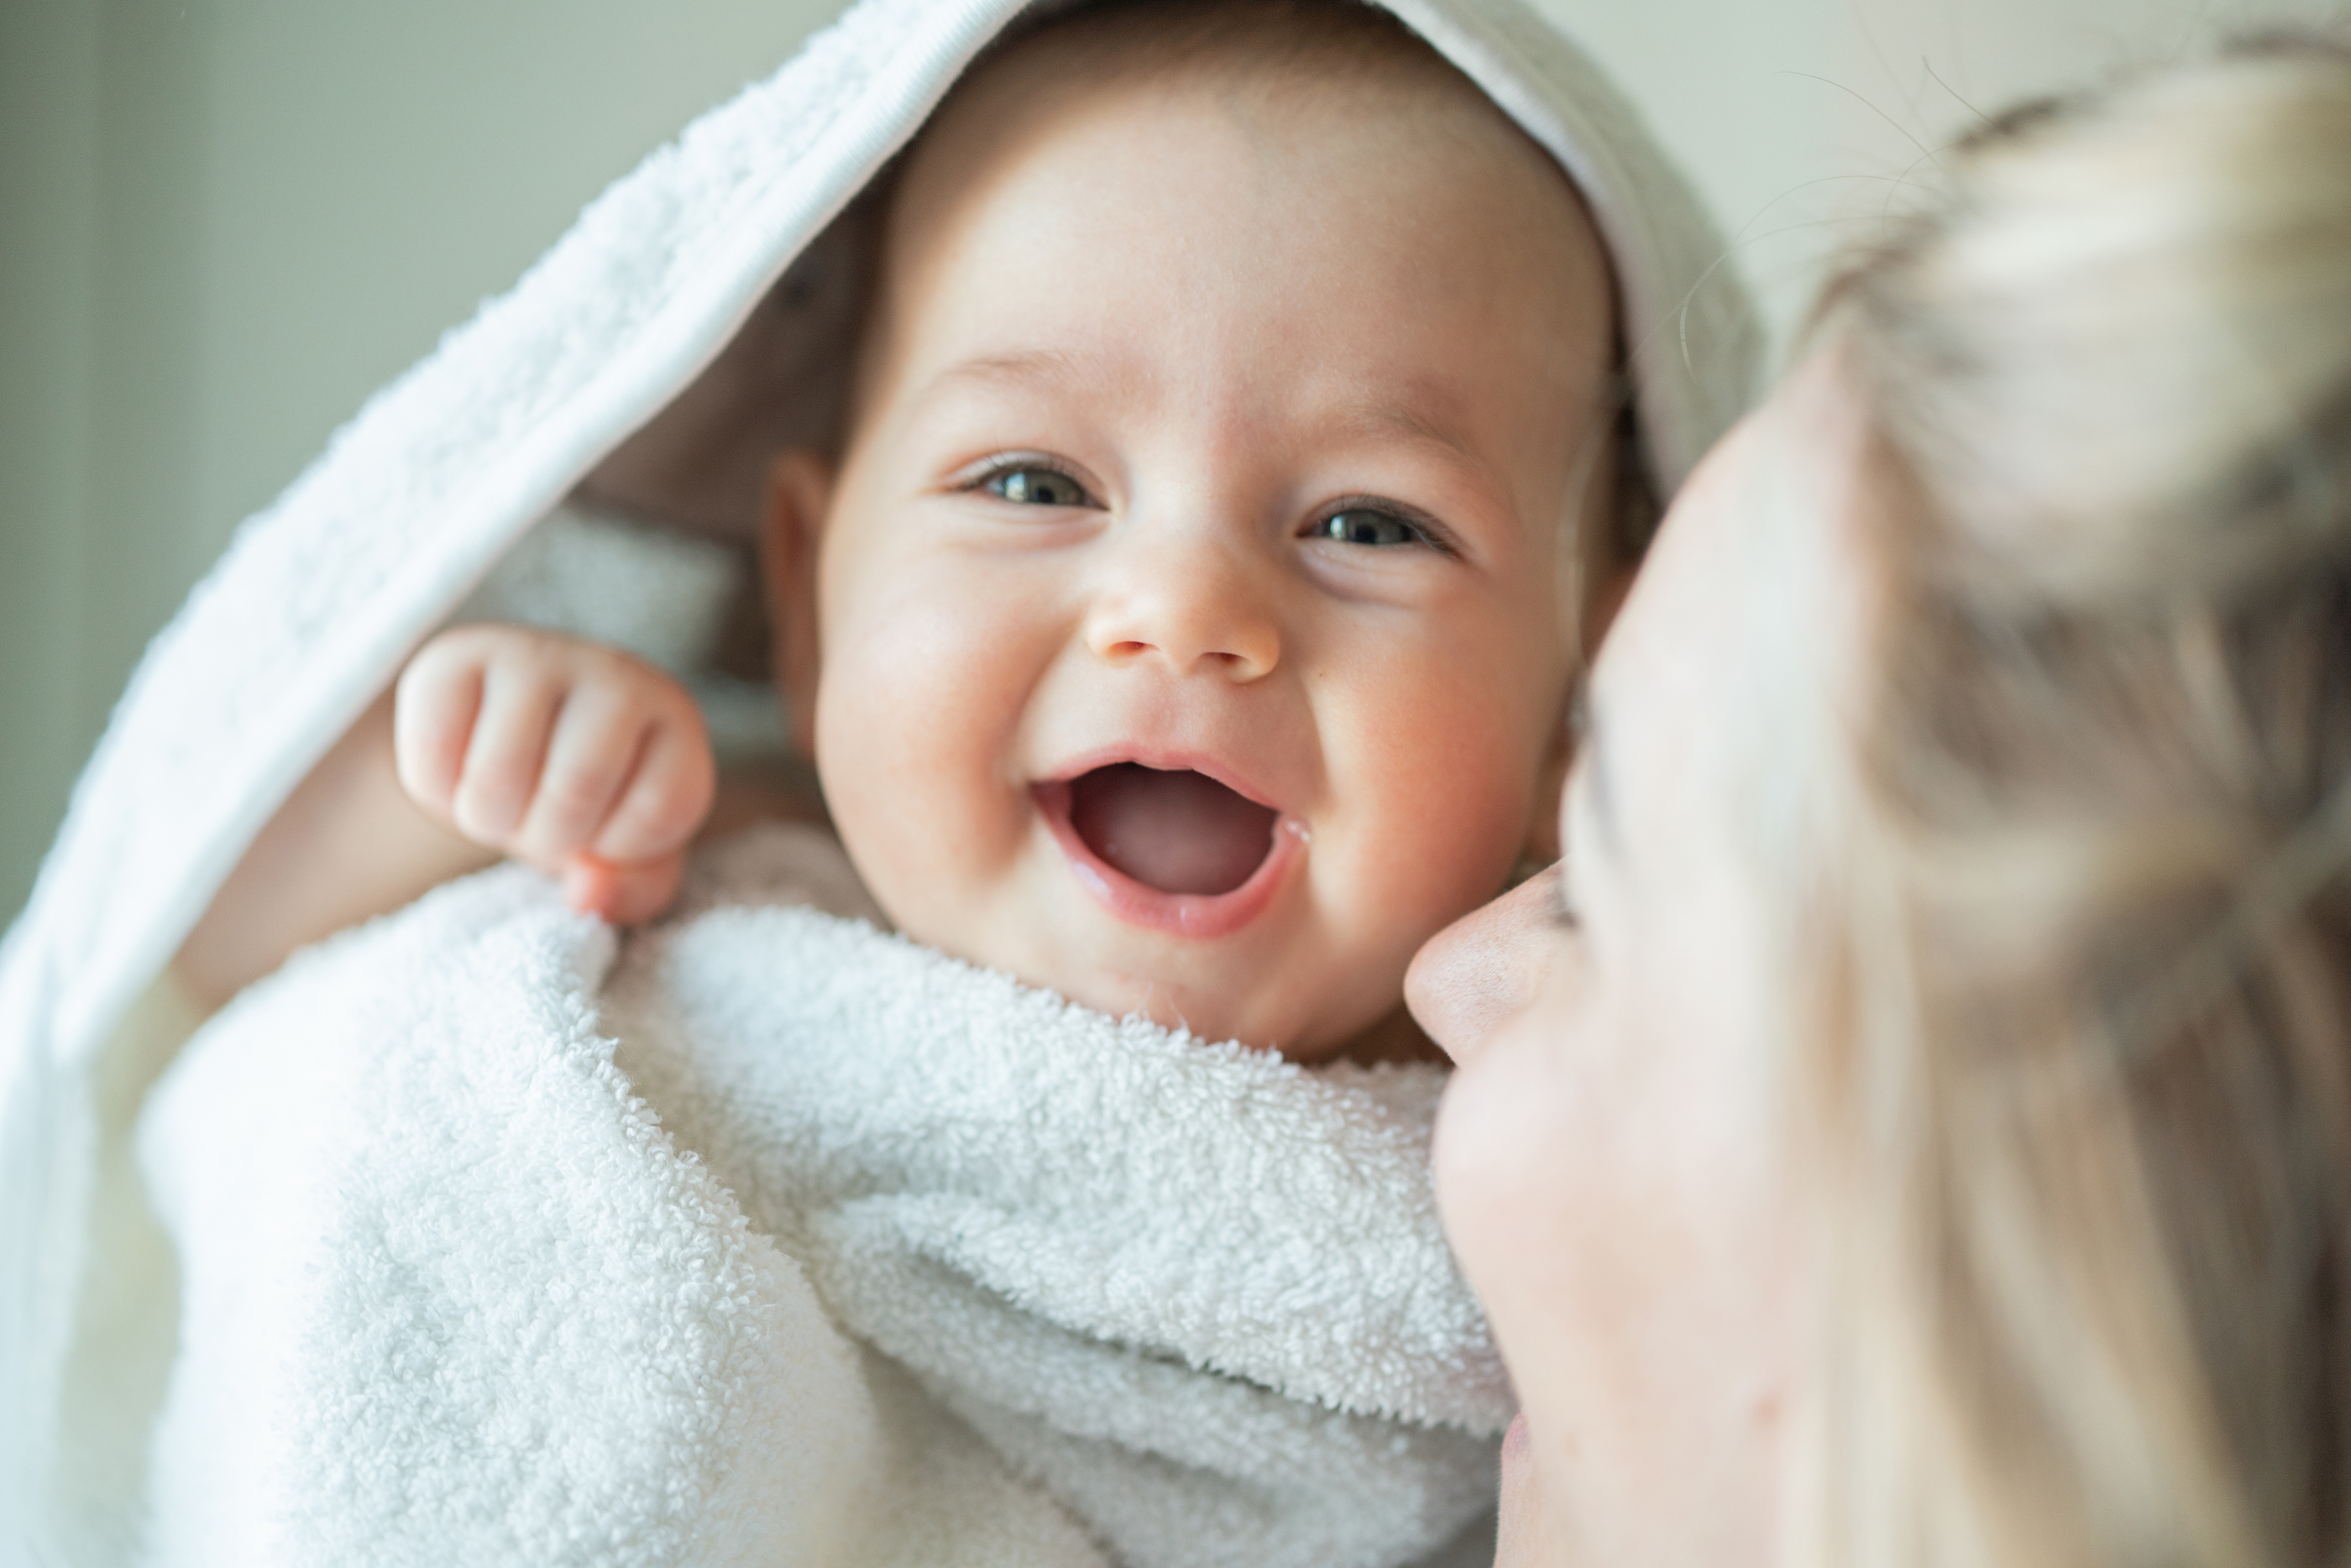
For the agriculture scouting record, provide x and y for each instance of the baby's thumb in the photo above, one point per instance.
(626, 893)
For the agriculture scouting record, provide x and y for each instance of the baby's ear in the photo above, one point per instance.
(799, 495)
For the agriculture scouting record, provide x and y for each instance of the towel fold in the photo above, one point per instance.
(766, 1236)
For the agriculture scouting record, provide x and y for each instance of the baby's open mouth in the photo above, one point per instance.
(1171, 829)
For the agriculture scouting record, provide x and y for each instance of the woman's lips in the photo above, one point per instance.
(1177, 827)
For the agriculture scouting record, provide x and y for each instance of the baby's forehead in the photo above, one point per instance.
(1320, 84)
(1261, 57)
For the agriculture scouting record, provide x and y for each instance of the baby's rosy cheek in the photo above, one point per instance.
(910, 744)
(1452, 811)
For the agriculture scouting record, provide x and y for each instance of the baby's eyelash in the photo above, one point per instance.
(1006, 476)
(1356, 519)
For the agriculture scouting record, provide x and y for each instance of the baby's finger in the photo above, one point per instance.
(432, 714)
(503, 757)
(626, 895)
(588, 884)
(667, 798)
(597, 735)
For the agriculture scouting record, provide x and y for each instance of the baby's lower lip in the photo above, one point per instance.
(1203, 915)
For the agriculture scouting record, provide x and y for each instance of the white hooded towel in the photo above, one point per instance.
(672, 335)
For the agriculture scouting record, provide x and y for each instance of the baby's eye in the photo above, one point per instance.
(1037, 487)
(1362, 526)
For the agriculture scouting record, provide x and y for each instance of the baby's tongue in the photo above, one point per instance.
(1178, 832)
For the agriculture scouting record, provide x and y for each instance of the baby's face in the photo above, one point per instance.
(1190, 600)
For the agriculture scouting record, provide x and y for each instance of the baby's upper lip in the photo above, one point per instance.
(1241, 779)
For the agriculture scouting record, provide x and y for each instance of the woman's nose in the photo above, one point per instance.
(1197, 604)
(1483, 970)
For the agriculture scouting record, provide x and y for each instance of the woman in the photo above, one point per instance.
(1915, 1128)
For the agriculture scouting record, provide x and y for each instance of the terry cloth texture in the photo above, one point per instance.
(467, 1286)
(691, 319)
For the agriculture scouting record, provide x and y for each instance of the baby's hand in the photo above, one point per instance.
(572, 757)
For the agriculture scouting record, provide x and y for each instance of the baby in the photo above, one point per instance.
(1185, 622)
(1232, 471)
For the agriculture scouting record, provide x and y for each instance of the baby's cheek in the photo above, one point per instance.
(1445, 786)
(913, 719)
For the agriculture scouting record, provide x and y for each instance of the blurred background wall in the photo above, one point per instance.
(223, 222)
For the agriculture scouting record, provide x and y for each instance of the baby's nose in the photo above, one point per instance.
(1198, 606)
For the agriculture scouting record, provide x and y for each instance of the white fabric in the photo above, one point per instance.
(457, 1294)
(323, 594)
(659, 595)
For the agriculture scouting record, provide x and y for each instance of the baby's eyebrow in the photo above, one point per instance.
(1378, 419)
(1056, 366)
(1388, 420)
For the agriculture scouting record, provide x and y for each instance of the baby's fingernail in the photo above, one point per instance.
(589, 886)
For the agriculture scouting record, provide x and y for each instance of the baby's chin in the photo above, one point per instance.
(1268, 990)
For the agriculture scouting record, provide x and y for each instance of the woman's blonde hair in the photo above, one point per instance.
(2085, 1086)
